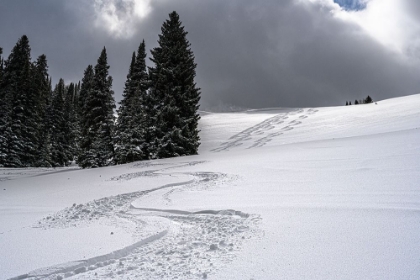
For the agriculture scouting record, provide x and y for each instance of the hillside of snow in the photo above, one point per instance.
(301, 193)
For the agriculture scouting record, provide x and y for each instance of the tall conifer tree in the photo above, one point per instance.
(59, 155)
(3, 115)
(43, 87)
(17, 94)
(85, 157)
(99, 119)
(71, 122)
(130, 131)
(174, 93)
(1, 66)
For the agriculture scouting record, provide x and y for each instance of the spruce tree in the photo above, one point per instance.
(5, 103)
(131, 124)
(59, 156)
(43, 87)
(368, 100)
(124, 150)
(173, 95)
(85, 157)
(1, 67)
(99, 119)
(76, 123)
(16, 109)
(71, 125)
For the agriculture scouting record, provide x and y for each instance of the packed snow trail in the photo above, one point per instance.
(13, 173)
(264, 132)
(171, 243)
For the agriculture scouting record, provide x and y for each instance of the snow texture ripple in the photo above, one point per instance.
(172, 244)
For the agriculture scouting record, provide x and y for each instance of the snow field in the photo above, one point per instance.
(311, 193)
(172, 243)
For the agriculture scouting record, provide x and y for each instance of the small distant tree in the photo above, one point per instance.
(368, 100)
(356, 102)
(347, 103)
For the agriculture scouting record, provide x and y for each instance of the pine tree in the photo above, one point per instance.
(356, 102)
(76, 124)
(1, 66)
(368, 100)
(5, 104)
(59, 156)
(85, 157)
(98, 120)
(131, 124)
(173, 96)
(16, 110)
(71, 125)
(43, 87)
(347, 103)
(124, 150)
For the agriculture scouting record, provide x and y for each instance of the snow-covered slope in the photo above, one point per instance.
(308, 193)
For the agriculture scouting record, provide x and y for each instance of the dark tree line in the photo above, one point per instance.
(367, 100)
(46, 127)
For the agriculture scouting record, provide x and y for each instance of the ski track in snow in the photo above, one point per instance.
(172, 244)
(13, 173)
(264, 132)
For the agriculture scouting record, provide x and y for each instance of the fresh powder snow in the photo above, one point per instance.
(303, 193)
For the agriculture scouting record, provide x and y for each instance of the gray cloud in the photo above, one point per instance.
(250, 54)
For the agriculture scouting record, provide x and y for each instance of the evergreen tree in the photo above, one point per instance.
(347, 103)
(368, 100)
(131, 124)
(5, 104)
(356, 102)
(85, 157)
(173, 95)
(43, 87)
(98, 115)
(76, 124)
(71, 129)
(59, 156)
(1, 66)
(17, 148)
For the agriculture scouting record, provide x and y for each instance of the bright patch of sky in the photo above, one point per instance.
(389, 22)
(351, 5)
(119, 17)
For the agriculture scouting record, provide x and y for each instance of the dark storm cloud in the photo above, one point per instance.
(251, 54)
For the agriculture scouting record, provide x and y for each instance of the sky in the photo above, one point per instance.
(249, 54)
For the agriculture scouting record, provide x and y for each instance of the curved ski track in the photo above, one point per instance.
(172, 244)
